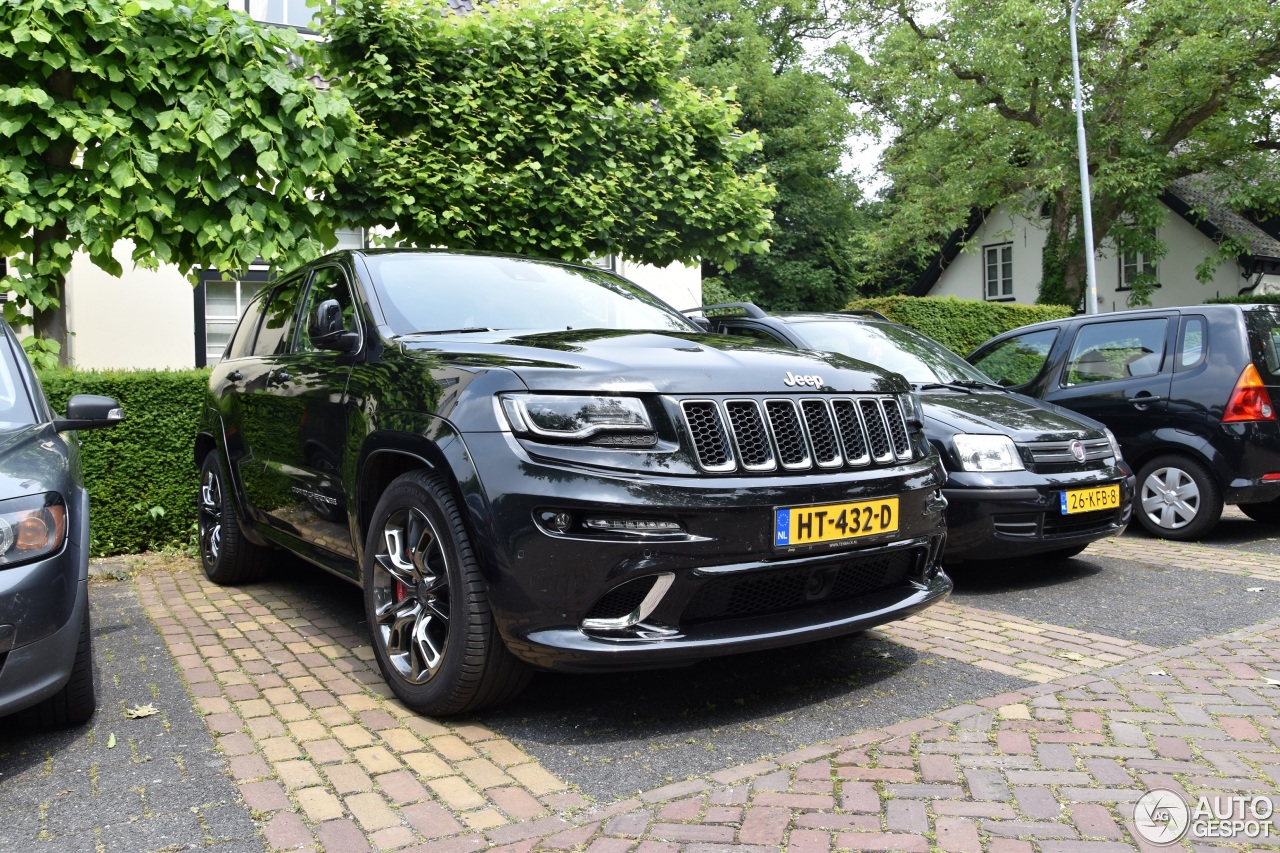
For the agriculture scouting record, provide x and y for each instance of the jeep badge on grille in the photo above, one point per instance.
(793, 380)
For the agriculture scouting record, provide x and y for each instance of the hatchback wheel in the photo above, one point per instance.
(76, 701)
(228, 557)
(1177, 498)
(433, 632)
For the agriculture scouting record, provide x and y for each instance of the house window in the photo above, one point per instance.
(998, 266)
(220, 301)
(289, 13)
(1133, 265)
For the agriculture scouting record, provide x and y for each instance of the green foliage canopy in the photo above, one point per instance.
(542, 128)
(979, 95)
(179, 125)
(757, 49)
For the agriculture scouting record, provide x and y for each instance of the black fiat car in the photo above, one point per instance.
(46, 647)
(532, 463)
(1023, 478)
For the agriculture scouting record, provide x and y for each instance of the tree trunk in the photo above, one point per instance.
(51, 323)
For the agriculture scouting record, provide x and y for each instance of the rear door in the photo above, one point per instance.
(1119, 372)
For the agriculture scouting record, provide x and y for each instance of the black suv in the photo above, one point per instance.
(1023, 478)
(1187, 392)
(525, 462)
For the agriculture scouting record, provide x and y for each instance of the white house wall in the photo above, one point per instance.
(677, 285)
(1186, 246)
(144, 319)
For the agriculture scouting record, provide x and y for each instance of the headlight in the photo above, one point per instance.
(1115, 445)
(911, 407)
(31, 527)
(597, 420)
(987, 453)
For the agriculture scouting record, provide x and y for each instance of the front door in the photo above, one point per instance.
(1119, 372)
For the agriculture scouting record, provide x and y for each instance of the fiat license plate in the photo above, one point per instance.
(1090, 500)
(810, 525)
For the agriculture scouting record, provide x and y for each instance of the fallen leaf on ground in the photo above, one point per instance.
(1157, 672)
(111, 741)
(140, 711)
(1253, 589)
(1070, 655)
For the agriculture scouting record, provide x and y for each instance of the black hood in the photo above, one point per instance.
(1014, 415)
(656, 362)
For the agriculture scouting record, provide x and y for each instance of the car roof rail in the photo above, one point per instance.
(748, 309)
(865, 312)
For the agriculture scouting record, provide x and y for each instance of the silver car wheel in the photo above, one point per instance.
(411, 596)
(1170, 498)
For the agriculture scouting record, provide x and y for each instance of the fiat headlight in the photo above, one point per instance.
(987, 453)
(592, 419)
(31, 527)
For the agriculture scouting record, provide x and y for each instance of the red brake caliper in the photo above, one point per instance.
(401, 592)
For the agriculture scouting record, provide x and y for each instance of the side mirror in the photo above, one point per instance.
(90, 411)
(701, 322)
(327, 330)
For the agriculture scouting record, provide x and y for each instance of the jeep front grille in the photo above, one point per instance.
(796, 435)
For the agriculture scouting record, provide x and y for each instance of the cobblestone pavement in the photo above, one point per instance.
(1045, 734)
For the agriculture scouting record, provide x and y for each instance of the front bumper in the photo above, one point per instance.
(1024, 518)
(721, 586)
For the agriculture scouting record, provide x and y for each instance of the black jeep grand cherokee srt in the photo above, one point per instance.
(524, 462)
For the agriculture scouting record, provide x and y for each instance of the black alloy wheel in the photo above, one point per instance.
(433, 632)
(227, 557)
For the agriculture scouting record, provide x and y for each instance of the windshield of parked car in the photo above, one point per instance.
(425, 293)
(921, 359)
(15, 404)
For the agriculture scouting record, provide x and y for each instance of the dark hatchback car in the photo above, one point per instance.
(46, 656)
(531, 463)
(1023, 478)
(1187, 391)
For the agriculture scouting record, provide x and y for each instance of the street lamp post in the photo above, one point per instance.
(1086, 213)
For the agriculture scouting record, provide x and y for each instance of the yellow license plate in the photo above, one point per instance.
(807, 525)
(1090, 500)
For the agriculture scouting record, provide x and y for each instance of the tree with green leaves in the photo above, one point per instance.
(541, 128)
(758, 49)
(177, 125)
(977, 95)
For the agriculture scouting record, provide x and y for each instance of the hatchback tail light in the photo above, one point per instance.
(1250, 400)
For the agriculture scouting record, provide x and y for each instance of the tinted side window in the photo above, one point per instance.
(275, 335)
(1192, 342)
(241, 343)
(327, 283)
(1264, 331)
(1118, 350)
(1018, 360)
(753, 333)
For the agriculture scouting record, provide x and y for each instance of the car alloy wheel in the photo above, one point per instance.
(411, 595)
(210, 519)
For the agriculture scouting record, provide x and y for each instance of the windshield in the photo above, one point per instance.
(920, 359)
(440, 292)
(15, 405)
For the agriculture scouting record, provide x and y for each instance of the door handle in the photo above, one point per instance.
(235, 376)
(1144, 399)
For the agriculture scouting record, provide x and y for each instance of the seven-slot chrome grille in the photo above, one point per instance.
(1059, 452)
(796, 434)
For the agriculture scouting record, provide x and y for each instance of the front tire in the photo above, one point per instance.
(75, 702)
(433, 633)
(228, 558)
(1267, 512)
(1178, 498)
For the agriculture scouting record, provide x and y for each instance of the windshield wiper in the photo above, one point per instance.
(978, 383)
(463, 330)
(934, 386)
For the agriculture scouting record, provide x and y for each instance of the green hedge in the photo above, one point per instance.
(960, 324)
(1261, 299)
(140, 475)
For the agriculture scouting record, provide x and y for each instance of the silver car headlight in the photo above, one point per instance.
(573, 418)
(987, 453)
(1115, 445)
(31, 527)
